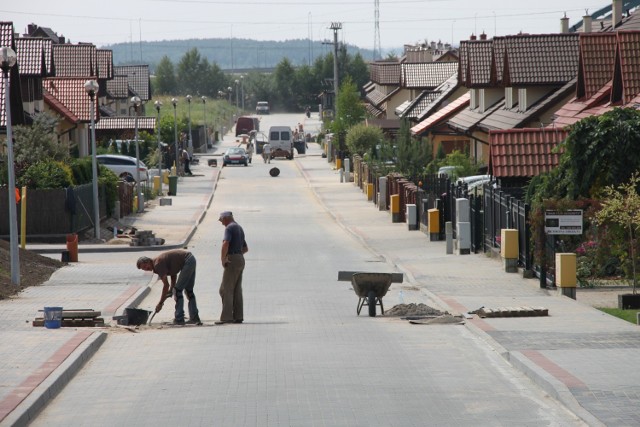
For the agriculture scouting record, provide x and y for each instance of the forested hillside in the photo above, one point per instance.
(229, 54)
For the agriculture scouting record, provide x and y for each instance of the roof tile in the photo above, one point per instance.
(70, 93)
(427, 75)
(443, 114)
(35, 56)
(138, 79)
(75, 60)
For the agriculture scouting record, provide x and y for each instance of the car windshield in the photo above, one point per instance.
(236, 150)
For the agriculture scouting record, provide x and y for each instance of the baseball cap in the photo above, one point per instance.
(225, 214)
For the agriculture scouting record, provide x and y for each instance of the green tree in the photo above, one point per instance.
(621, 206)
(350, 108)
(362, 139)
(413, 154)
(165, 80)
(284, 76)
(192, 73)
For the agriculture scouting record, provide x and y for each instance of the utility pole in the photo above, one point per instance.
(335, 26)
(377, 50)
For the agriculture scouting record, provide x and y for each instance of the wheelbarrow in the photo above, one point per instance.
(370, 288)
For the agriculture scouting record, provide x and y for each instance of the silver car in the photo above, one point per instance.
(123, 166)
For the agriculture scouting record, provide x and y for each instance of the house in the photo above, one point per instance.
(380, 93)
(514, 82)
(17, 114)
(138, 84)
(35, 60)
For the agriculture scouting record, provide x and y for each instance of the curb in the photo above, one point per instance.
(27, 410)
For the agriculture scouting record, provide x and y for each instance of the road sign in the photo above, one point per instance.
(563, 222)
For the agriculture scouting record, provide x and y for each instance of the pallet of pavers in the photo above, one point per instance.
(76, 318)
(522, 311)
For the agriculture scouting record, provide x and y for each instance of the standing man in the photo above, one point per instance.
(266, 152)
(169, 264)
(186, 159)
(232, 253)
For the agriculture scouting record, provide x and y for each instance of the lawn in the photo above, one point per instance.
(628, 315)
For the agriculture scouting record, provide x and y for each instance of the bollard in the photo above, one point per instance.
(509, 249)
(165, 177)
(369, 192)
(566, 278)
(448, 232)
(338, 163)
(463, 238)
(341, 175)
(433, 224)
(382, 194)
(156, 185)
(72, 247)
(412, 216)
(395, 208)
(135, 203)
(347, 170)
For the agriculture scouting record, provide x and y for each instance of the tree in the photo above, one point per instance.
(284, 84)
(362, 139)
(165, 80)
(192, 73)
(621, 206)
(413, 154)
(350, 108)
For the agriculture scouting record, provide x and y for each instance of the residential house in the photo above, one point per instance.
(138, 84)
(384, 93)
(35, 60)
(514, 82)
(17, 114)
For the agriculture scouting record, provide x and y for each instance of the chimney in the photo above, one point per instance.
(473, 37)
(62, 39)
(564, 24)
(483, 36)
(616, 13)
(31, 28)
(586, 24)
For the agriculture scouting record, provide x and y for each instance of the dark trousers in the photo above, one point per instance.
(231, 289)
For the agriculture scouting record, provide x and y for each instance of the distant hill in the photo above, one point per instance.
(229, 54)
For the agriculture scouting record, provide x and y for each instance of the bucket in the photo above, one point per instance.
(52, 317)
(136, 316)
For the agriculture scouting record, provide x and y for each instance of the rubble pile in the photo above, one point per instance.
(413, 310)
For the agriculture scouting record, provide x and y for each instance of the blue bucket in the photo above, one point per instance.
(52, 317)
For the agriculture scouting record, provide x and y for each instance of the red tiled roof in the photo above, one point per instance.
(385, 73)
(70, 98)
(105, 63)
(138, 79)
(596, 63)
(446, 112)
(427, 74)
(75, 60)
(115, 123)
(524, 152)
(578, 109)
(118, 88)
(540, 59)
(629, 57)
(34, 56)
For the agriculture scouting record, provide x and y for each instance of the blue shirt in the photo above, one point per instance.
(234, 234)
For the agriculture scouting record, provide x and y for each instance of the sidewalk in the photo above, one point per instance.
(582, 357)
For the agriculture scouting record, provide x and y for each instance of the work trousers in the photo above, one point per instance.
(231, 289)
(186, 281)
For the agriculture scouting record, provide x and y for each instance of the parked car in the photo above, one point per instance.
(235, 156)
(246, 124)
(262, 107)
(123, 166)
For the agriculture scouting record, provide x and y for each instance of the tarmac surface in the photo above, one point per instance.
(584, 358)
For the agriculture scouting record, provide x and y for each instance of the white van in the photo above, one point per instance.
(281, 141)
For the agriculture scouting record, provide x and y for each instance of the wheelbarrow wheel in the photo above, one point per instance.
(371, 301)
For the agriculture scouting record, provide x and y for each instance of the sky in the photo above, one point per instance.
(400, 22)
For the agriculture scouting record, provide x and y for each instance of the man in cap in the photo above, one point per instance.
(232, 253)
(170, 264)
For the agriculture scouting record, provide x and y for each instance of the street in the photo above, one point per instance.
(303, 357)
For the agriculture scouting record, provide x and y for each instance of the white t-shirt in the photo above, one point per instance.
(266, 148)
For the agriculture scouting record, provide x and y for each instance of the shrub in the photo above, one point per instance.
(362, 138)
(47, 174)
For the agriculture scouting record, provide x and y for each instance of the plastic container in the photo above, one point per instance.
(173, 185)
(72, 247)
(52, 317)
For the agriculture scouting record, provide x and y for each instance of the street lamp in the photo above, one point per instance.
(8, 60)
(237, 86)
(204, 112)
(175, 130)
(91, 87)
(230, 91)
(158, 104)
(242, 91)
(135, 100)
(190, 142)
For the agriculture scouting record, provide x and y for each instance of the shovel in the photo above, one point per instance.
(169, 294)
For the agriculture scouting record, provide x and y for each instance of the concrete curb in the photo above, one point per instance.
(27, 410)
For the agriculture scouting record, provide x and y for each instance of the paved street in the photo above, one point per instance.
(303, 356)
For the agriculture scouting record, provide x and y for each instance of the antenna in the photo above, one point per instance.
(377, 50)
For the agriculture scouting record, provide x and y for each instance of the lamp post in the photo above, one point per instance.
(158, 104)
(91, 87)
(237, 88)
(135, 100)
(175, 130)
(242, 92)
(230, 91)
(204, 112)
(7, 61)
(190, 141)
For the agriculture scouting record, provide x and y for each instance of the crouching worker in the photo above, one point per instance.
(178, 264)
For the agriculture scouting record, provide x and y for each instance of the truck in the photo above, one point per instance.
(281, 142)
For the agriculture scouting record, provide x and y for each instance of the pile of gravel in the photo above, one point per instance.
(413, 310)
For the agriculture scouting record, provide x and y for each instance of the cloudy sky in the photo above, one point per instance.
(400, 21)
